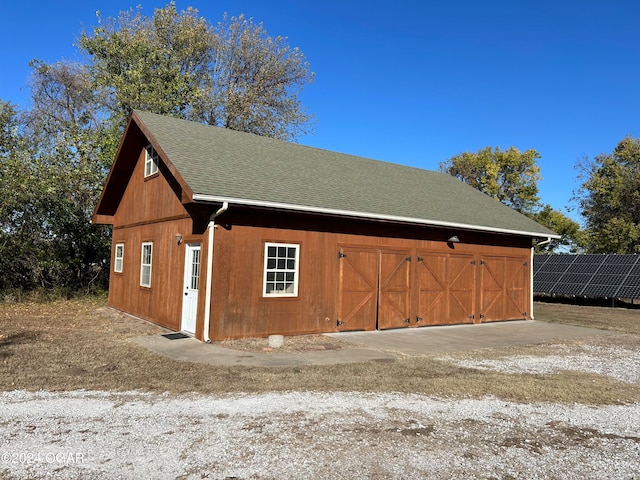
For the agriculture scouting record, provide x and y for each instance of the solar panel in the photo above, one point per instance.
(590, 275)
(629, 292)
(549, 277)
(574, 289)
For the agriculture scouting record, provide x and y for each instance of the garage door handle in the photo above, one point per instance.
(418, 319)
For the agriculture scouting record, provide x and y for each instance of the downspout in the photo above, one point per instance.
(531, 275)
(207, 298)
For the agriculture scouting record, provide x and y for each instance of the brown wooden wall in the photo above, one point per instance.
(151, 211)
(353, 274)
(362, 282)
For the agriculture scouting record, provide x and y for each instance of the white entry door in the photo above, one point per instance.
(191, 283)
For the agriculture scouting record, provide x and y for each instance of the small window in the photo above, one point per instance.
(145, 264)
(281, 270)
(119, 258)
(150, 161)
(194, 279)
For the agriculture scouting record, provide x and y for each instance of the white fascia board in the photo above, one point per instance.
(364, 215)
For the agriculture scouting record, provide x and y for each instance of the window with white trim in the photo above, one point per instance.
(119, 258)
(281, 270)
(150, 161)
(145, 264)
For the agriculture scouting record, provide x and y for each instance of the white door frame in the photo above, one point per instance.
(190, 286)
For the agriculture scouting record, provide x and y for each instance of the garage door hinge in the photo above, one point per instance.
(524, 263)
(341, 255)
(420, 259)
(482, 262)
(524, 314)
(339, 323)
(408, 259)
(473, 262)
(472, 317)
(481, 316)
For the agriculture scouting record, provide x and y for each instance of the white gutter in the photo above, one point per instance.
(207, 298)
(531, 274)
(305, 208)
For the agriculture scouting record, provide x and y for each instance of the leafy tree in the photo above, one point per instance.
(54, 157)
(17, 206)
(75, 149)
(609, 199)
(572, 238)
(508, 175)
(232, 75)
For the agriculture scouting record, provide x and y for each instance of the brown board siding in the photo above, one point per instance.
(151, 211)
(149, 199)
(162, 302)
(363, 282)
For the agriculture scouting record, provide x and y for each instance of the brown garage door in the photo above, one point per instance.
(446, 288)
(358, 302)
(504, 291)
(380, 289)
(374, 289)
(394, 297)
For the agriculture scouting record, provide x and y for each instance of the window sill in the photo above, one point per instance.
(279, 298)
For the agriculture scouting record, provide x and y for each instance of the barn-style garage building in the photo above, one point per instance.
(224, 234)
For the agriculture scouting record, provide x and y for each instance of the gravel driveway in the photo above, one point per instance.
(104, 435)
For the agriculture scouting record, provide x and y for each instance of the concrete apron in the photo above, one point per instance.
(378, 346)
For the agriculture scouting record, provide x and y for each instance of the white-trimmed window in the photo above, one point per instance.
(145, 264)
(281, 270)
(118, 258)
(150, 161)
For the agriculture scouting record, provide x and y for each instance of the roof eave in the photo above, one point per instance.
(366, 215)
(111, 195)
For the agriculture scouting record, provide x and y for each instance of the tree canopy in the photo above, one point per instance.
(55, 156)
(512, 176)
(572, 236)
(232, 74)
(508, 175)
(609, 199)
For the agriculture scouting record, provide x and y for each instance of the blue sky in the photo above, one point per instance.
(416, 82)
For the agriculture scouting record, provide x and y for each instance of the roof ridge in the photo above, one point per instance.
(217, 162)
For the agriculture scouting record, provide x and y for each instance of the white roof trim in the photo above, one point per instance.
(330, 211)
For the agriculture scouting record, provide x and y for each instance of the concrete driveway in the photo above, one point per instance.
(455, 338)
(380, 346)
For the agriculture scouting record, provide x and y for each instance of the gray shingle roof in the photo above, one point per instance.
(220, 164)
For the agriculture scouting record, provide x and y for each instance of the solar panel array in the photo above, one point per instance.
(590, 276)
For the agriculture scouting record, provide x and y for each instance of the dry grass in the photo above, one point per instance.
(83, 344)
(625, 320)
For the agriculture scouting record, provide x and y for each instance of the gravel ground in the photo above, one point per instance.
(619, 363)
(87, 434)
(105, 435)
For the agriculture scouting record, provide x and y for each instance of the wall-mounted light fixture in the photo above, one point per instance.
(453, 239)
(179, 239)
